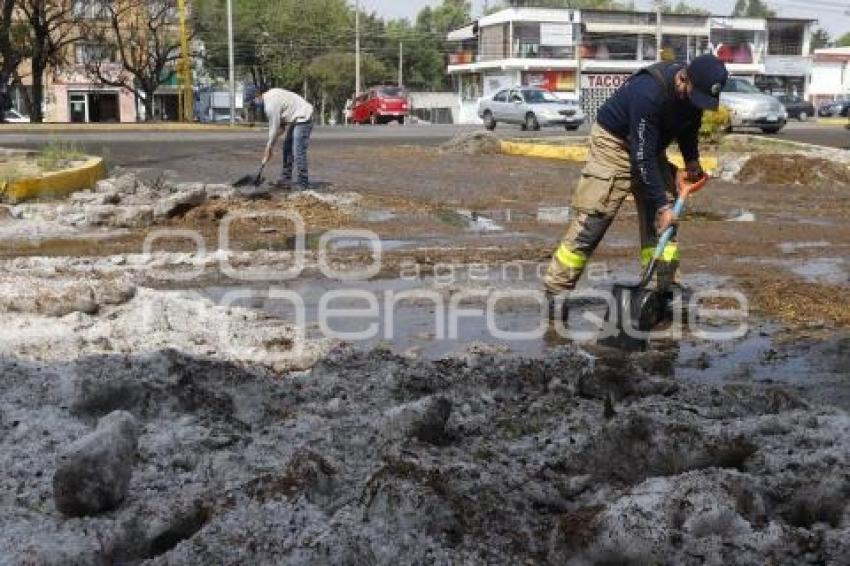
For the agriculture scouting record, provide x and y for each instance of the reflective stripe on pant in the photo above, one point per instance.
(605, 183)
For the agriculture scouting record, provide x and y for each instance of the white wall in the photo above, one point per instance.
(830, 79)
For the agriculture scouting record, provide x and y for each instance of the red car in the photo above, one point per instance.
(380, 105)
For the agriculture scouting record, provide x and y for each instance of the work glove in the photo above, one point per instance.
(665, 218)
(694, 171)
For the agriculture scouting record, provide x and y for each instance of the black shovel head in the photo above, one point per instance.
(637, 308)
(244, 181)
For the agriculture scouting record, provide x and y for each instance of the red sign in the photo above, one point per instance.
(554, 81)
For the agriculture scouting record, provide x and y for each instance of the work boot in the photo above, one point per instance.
(282, 184)
(557, 307)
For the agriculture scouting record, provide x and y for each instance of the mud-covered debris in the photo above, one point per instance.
(180, 203)
(475, 143)
(793, 169)
(93, 474)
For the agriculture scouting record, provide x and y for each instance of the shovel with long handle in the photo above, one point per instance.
(251, 180)
(637, 306)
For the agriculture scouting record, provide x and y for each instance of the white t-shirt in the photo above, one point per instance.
(283, 106)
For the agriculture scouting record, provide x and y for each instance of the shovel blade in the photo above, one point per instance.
(637, 308)
(244, 181)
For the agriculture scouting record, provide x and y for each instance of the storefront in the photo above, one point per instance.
(596, 88)
(785, 75)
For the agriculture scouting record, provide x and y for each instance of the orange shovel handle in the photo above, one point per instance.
(687, 188)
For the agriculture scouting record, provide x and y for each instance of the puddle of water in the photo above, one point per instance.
(742, 216)
(479, 223)
(793, 247)
(823, 270)
(553, 214)
(378, 215)
(421, 324)
(357, 243)
(826, 270)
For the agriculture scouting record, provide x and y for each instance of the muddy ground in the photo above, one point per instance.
(262, 441)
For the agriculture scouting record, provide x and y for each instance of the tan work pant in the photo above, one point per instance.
(606, 182)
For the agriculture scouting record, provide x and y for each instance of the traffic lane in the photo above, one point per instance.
(207, 155)
(814, 133)
(388, 134)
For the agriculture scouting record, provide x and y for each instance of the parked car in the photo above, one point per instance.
(380, 105)
(751, 108)
(12, 116)
(530, 107)
(838, 107)
(796, 107)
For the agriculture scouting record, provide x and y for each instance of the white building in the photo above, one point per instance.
(830, 74)
(587, 54)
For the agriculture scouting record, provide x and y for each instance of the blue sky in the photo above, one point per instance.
(826, 11)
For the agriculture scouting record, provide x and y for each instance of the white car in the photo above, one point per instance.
(12, 116)
(531, 108)
(751, 108)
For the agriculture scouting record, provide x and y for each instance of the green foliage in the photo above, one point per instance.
(843, 41)
(334, 75)
(295, 44)
(715, 124)
(57, 153)
(820, 38)
(683, 8)
(753, 9)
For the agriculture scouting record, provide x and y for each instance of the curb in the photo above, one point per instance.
(55, 184)
(579, 153)
(833, 121)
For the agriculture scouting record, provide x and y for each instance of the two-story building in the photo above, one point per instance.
(72, 94)
(587, 54)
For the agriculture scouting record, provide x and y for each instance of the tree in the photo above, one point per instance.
(11, 53)
(51, 29)
(820, 38)
(683, 8)
(753, 9)
(843, 41)
(139, 46)
(333, 73)
(275, 40)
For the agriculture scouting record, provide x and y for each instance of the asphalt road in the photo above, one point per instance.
(177, 150)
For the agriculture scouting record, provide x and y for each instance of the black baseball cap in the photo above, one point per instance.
(708, 75)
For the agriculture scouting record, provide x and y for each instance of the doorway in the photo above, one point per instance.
(95, 107)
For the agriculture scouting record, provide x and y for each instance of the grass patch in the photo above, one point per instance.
(452, 218)
(58, 154)
(10, 172)
(746, 144)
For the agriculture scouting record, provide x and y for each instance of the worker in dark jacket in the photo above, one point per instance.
(628, 156)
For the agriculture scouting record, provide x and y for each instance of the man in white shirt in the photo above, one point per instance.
(290, 117)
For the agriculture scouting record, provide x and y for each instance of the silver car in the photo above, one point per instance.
(531, 108)
(751, 108)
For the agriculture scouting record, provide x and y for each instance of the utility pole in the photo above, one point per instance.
(658, 30)
(357, 47)
(400, 64)
(231, 71)
(186, 98)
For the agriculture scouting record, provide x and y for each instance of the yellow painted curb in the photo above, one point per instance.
(833, 121)
(55, 184)
(545, 151)
(580, 153)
